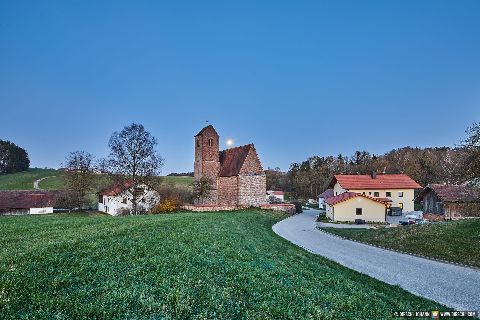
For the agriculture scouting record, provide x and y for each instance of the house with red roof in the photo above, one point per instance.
(352, 206)
(368, 197)
(117, 198)
(395, 189)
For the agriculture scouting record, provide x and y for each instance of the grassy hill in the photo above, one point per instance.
(456, 241)
(24, 180)
(179, 266)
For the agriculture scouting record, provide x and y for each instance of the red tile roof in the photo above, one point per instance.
(28, 199)
(231, 160)
(278, 193)
(116, 189)
(347, 196)
(326, 194)
(452, 193)
(382, 181)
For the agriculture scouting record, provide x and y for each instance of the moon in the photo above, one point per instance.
(229, 142)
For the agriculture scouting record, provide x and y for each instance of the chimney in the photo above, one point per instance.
(374, 174)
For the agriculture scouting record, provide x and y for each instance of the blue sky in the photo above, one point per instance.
(297, 78)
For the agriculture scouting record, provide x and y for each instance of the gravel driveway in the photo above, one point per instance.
(451, 285)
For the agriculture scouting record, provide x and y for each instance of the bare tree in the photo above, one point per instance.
(79, 179)
(202, 189)
(472, 146)
(133, 156)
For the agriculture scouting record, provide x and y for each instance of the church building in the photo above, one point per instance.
(237, 175)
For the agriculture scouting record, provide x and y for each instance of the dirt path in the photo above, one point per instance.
(37, 182)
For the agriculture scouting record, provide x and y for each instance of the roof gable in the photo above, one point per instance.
(382, 181)
(347, 196)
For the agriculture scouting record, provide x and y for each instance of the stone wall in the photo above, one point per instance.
(227, 191)
(197, 208)
(252, 190)
(285, 207)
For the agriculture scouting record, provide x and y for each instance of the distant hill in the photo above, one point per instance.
(24, 180)
(53, 181)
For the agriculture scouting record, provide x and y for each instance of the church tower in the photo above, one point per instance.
(207, 160)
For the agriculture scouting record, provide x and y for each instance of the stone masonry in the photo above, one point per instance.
(237, 174)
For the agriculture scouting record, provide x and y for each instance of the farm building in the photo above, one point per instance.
(351, 206)
(27, 202)
(117, 198)
(442, 201)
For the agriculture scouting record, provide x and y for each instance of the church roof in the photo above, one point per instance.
(231, 160)
(205, 129)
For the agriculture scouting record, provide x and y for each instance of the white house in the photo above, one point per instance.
(280, 195)
(27, 202)
(118, 198)
(324, 195)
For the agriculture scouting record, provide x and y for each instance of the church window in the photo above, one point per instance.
(210, 142)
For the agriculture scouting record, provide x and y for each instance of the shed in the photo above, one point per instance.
(441, 201)
(27, 202)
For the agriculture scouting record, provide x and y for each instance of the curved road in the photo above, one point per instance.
(451, 285)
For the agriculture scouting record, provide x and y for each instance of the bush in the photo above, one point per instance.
(166, 206)
(298, 206)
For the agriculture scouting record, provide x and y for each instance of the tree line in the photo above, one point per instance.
(456, 165)
(12, 158)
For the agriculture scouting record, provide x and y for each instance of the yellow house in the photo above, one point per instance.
(395, 189)
(350, 206)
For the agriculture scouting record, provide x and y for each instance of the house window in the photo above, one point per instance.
(124, 200)
(100, 199)
(376, 194)
(210, 142)
(369, 193)
(363, 193)
(400, 194)
(358, 212)
(400, 205)
(388, 194)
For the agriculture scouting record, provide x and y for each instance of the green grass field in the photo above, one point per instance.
(24, 180)
(456, 241)
(178, 266)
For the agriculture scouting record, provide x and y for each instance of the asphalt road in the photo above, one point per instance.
(448, 284)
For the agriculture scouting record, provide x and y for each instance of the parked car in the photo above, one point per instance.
(406, 222)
